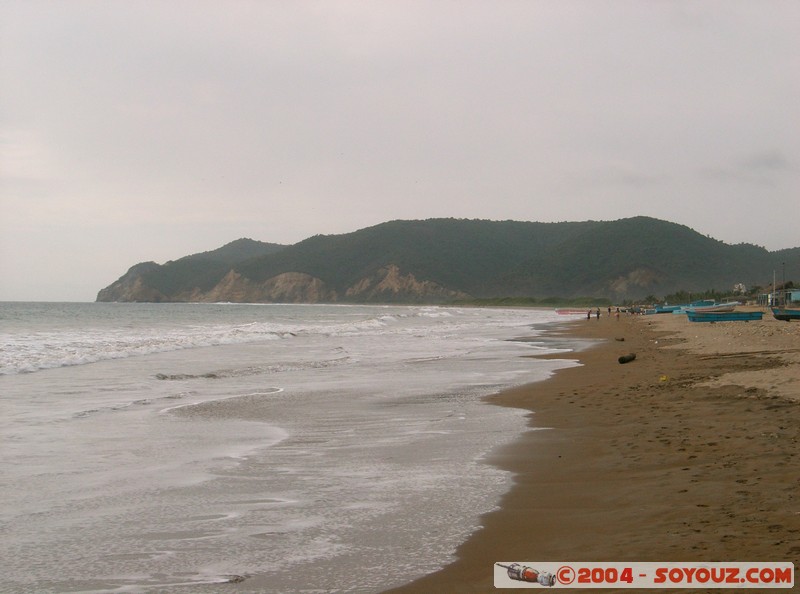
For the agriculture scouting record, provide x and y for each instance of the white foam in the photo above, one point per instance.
(346, 431)
(68, 344)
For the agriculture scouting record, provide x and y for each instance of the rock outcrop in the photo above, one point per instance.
(289, 287)
(388, 284)
(644, 278)
(132, 288)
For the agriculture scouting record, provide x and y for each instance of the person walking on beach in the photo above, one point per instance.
(589, 315)
(598, 313)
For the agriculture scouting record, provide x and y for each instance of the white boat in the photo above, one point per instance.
(728, 306)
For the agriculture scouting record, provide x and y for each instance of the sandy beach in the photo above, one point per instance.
(687, 453)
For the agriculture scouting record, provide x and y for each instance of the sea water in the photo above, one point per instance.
(182, 447)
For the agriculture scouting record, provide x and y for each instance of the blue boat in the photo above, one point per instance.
(667, 308)
(786, 314)
(682, 309)
(724, 316)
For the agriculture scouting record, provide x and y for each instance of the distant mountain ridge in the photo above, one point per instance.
(441, 260)
(237, 251)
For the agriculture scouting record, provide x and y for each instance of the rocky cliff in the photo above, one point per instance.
(387, 285)
(132, 286)
(390, 284)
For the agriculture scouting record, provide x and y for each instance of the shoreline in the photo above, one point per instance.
(685, 454)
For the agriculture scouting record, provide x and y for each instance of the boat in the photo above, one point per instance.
(724, 316)
(786, 314)
(720, 307)
(682, 309)
(667, 308)
(709, 307)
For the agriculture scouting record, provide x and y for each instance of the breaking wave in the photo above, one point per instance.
(254, 370)
(47, 348)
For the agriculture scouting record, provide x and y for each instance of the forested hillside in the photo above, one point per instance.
(441, 260)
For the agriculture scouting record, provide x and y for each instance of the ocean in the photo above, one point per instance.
(182, 447)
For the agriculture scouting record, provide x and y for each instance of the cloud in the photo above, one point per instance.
(764, 168)
(279, 120)
(23, 155)
(768, 161)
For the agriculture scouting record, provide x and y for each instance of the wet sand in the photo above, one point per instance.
(687, 453)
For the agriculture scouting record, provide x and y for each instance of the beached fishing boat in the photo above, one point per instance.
(681, 309)
(711, 307)
(667, 308)
(724, 316)
(717, 307)
(786, 314)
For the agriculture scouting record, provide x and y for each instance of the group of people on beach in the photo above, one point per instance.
(597, 313)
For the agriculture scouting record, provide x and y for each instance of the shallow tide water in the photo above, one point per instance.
(321, 448)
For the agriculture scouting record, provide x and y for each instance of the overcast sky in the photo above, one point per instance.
(136, 130)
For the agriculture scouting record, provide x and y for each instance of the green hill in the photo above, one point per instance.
(440, 260)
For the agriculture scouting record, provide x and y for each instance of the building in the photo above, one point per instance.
(779, 297)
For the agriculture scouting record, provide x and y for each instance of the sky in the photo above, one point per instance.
(146, 130)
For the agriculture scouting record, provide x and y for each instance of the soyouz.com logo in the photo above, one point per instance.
(584, 574)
